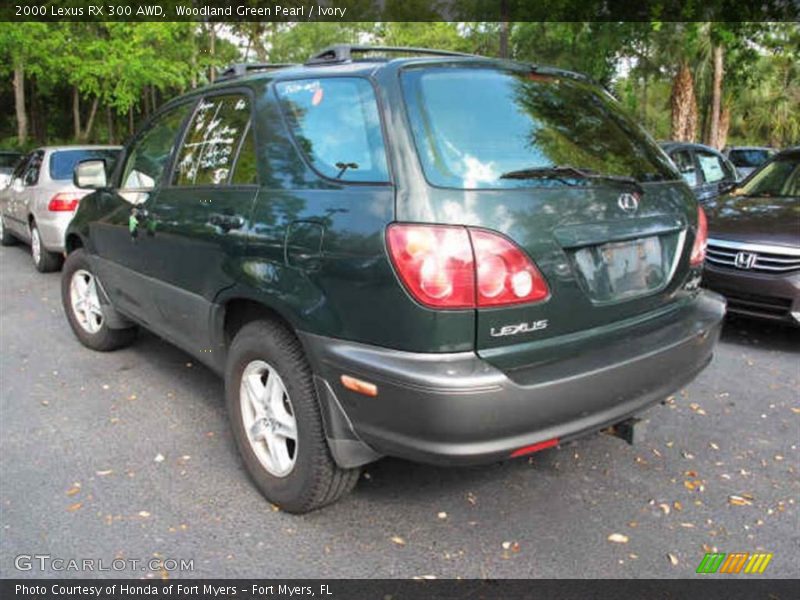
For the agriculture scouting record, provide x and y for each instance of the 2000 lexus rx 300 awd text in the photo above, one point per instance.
(444, 258)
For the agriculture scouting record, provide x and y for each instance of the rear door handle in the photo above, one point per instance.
(226, 222)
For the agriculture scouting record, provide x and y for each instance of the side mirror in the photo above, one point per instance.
(17, 185)
(90, 174)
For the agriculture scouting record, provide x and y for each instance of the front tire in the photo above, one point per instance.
(44, 260)
(276, 421)
(80, 297)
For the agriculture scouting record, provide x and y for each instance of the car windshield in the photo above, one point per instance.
(781, 177)
(475, 126)
(8, 160)
(62, 162)
(751, 157)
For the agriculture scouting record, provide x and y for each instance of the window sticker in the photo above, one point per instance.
(711, 167)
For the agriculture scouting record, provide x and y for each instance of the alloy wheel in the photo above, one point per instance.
(85, 301)
(268, 418)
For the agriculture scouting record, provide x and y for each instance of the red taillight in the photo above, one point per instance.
(700, 239)
(505, 274)
(435, 264)
(456, 267)
(64, 202)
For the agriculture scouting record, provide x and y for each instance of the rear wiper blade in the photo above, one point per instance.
(562, 174)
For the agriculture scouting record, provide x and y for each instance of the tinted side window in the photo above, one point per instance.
(148, 155)
(683, 160)
(336, 124)
(245, 171)
(31, 176)
(212, 141)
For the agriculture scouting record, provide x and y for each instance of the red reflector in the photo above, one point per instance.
(64, 202)
(534, 448)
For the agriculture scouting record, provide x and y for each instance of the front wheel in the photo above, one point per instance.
(44, 260)
(80, 297)
(277, 423)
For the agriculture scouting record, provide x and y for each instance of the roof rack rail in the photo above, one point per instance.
(242, 69)
(340, 53)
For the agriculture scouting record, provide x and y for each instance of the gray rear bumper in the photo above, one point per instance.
(459, 409)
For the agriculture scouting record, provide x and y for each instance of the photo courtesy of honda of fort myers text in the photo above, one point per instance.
(399, 299)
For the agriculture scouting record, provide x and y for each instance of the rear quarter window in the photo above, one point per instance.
(62, 162)
(336, 125)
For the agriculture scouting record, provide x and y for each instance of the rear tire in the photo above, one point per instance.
(306, 477)
(81, 300)
(44, 260)
(6, 237)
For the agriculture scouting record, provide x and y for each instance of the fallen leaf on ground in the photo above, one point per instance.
(75, 489)
(398, 540)
(664, 508)
(442, 515)
(104, 473)
(74, 507)
(159, 458)
(618, 538)
(739, 501)
(672, 558)
(144, 514)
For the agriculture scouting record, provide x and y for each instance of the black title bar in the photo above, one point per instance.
(400, 10)
(711, 587)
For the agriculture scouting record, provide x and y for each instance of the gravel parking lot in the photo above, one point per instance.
(128, 455)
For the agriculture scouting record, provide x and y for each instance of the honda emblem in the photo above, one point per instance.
(745, 260)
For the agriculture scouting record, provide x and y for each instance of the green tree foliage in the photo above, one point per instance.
(96, 81)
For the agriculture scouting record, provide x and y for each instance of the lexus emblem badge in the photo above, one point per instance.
(628, 202)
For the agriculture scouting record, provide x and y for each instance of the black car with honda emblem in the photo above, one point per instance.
(753, 255)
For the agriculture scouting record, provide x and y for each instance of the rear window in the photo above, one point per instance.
(62, 162)
(749, 158)
(779, 178)
(335, 123)
(472, 126)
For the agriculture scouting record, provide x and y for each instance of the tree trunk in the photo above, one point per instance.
(503, 28)
(76, 112)
(684, 106)
(716, 97)
(130, 121)
(90, 123)
(19, 103)
(110, 124)
(212, 52)
(724, 126)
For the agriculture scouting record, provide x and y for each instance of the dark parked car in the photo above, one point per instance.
(446, 258)
(705, 169)
(754, 242)
(747, 159)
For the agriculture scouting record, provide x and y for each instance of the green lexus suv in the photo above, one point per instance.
(398, 252)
